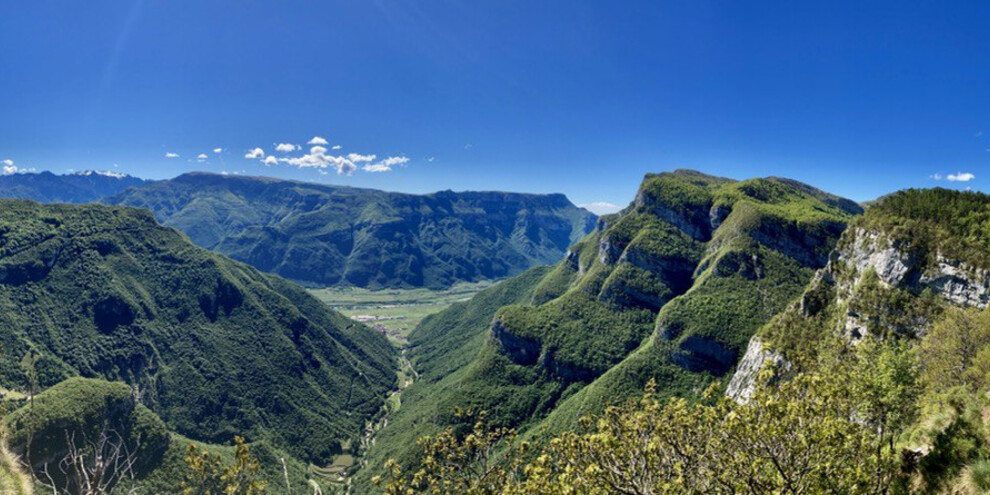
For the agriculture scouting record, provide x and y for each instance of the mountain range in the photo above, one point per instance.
(79, 187)
(329, 235)
(724, 293)
(335, 235)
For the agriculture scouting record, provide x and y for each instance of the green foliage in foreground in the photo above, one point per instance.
(213, 346)
(151, 460)
(76, 413)
(830, 430)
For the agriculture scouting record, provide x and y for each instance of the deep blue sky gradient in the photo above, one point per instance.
(858, 98)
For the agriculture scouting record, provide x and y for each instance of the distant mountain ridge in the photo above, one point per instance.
(327, 235)
(78, 187)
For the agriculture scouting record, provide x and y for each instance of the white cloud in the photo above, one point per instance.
(336, 147)
(960, 177)
(431, 159)
(218, 150)
(319, 159)
(8, 162)
(318, 141)
(386, 164)
(270, 160)
(201, 156)
(287, 147)
(936, 176)
(358, 158)
(600, 207)
(171, 155)
(255, 154)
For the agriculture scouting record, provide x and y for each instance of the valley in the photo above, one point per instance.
(394, 313)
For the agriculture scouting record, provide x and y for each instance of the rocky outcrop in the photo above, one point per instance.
(896, 265)
(521, 350)
(958, 283)
(890, 259)
(800, 242)
(743, 382)
(698, 353)
(747, 265)
(572, 259)
(717, 215)
(609, 250)
(694, 223)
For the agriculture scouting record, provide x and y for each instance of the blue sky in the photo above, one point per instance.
(858, 98)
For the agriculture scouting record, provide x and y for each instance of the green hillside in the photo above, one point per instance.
(80, 410)
(670, 289)
(332, 235)
(872, 380)
(213, 346)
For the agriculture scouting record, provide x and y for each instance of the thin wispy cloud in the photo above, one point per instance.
(318, 141)
(336, 147)
(600, 207)
(171, 155)
(386, 164)
(359, 158)
(255, 154)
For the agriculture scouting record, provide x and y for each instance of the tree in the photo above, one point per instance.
(92, 465)
(209, 476)
(456, 464)
(827, 429)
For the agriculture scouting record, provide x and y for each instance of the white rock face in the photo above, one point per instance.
(960, 284)
(743, 382)
(883, 255)
(953, 280)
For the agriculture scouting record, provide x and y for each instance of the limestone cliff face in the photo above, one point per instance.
(743, 381)
(897, 264)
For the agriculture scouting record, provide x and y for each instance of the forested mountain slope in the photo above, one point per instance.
(214, 346)
(329, 235)
(911, 277)
(670, 289)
